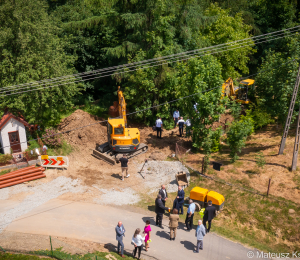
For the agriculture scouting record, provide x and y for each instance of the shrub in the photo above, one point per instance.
(260, 116)
(51, 138)
(260, 160)
(33, 144)
(5, 158)
(30, 156)
(237, 135)
(211, 143)
(235, 109)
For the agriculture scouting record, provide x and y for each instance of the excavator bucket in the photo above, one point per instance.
(182, 180)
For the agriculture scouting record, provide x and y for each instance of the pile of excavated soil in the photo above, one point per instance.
(86, 136)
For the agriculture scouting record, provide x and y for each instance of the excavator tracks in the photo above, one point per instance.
(113, 158)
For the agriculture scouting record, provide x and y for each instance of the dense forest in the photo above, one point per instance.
(42, 39)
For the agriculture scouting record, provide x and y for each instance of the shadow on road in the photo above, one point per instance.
(113, 248)
(188, 245)
(163, 234)
(151, 219)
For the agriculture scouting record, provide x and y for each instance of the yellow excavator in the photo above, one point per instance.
(240, 93)
(120, 138)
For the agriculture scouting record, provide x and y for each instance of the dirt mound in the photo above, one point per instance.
(86, 136)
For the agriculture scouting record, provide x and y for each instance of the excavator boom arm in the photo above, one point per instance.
(228, 88)
(122, 105)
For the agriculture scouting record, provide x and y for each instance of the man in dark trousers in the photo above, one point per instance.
(120, 233)
(176, 116)
(164, 194)
(178, 202)
(209, 214)
(159, 210)
(181, 123)
(158, 125)
(124, 161)
(190, 215)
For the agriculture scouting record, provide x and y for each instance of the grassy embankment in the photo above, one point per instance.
(256, 221)
(59, 254)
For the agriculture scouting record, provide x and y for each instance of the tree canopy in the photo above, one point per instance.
(42, 39)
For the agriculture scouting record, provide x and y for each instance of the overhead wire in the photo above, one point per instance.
(162, 62)
(163, 57)
(107, 70)
(139, 111)
(182, 56)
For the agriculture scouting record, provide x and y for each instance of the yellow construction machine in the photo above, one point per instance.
(120, 138)
(240, 93)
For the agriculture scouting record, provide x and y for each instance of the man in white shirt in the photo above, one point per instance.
(190, 215)
(188, 127)
(176, 116)
(195, 107)
(158, 125)
(181, 123)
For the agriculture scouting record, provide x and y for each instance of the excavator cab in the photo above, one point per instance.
(242, 91)
(120, 138)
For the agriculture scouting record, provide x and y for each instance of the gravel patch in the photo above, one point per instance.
(42, 194)
(123, 197)
(4, 193)
(162, 172)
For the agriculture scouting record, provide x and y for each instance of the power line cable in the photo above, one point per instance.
(145, 62)
(108, 70)
(166, 62)
(140, 111)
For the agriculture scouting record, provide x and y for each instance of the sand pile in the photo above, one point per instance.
(83, 137)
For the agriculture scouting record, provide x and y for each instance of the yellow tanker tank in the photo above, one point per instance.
(216, 198)
(199, 195)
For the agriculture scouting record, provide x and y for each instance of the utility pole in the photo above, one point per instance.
(290, 114)
(296, 145)
(287, 125)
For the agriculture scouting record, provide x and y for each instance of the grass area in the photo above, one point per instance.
(9, 256)
(255, 220)
(251, 219)
(63, 150)
(296, 179)
(6, 171)
(59, 254)
(95, 110)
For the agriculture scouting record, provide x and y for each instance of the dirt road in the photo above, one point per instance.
(94, 222)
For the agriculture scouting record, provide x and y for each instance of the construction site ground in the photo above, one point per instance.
(93, 181)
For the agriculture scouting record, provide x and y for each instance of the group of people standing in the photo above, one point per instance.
(137, 239)
(178, 121)
(160, 207)
(201, 231)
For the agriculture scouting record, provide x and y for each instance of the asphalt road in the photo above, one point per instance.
(97, 223)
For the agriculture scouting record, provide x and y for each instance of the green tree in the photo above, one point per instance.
(195, 77)
(131, 31)
(237, 135)
(30, 50)
(227, 28)
(276, 81)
